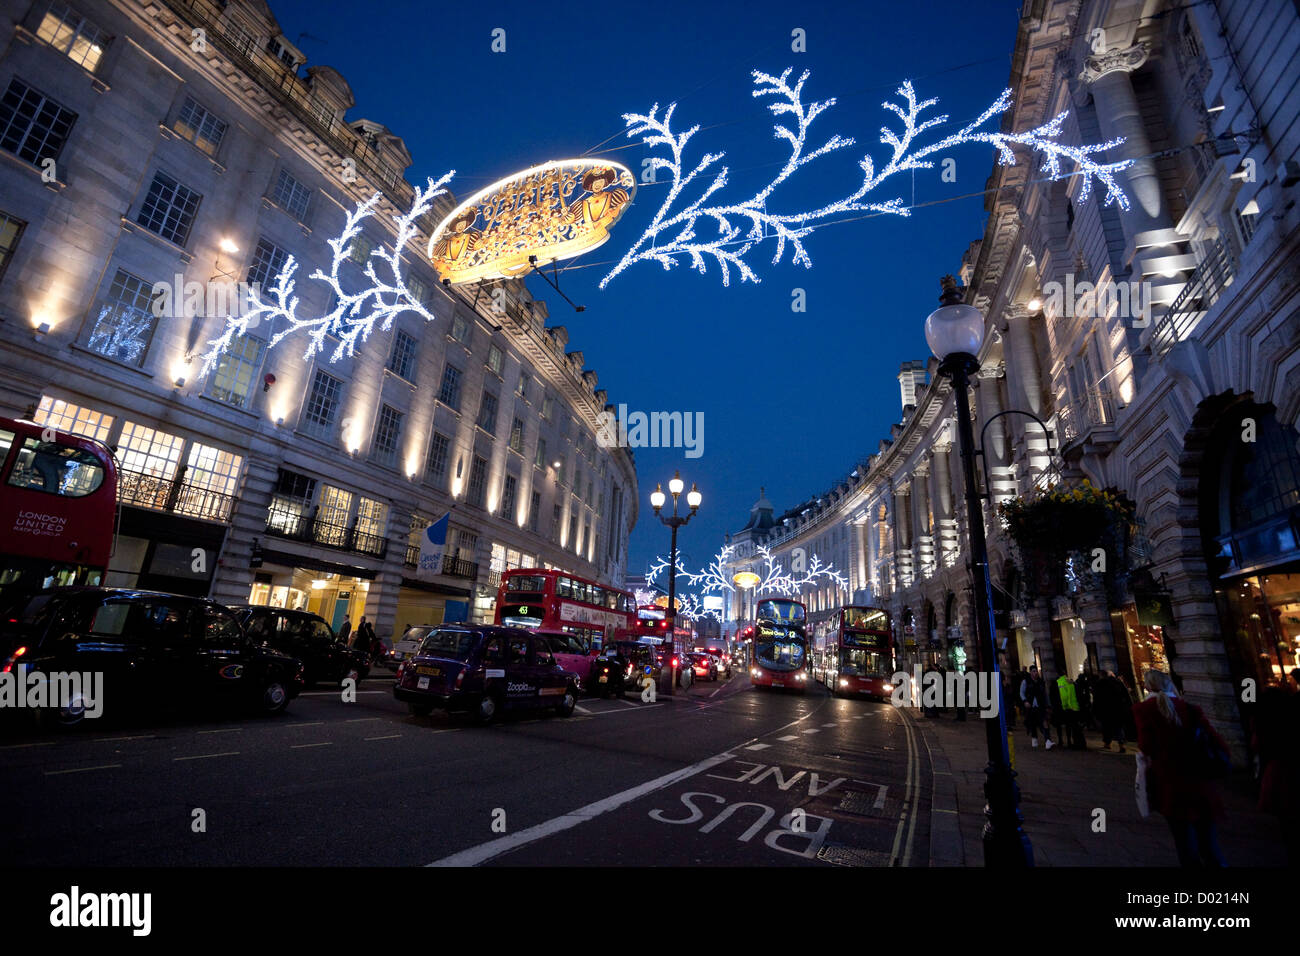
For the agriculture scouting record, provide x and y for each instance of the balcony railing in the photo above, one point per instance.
(300, 524)
(1078, 418)
(412, 559)
(459, 568)
(292, 89)
(1207, 283)
(175, 495)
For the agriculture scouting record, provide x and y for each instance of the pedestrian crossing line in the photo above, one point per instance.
(758, 747)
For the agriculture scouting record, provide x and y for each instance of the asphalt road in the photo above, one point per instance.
(726, 775)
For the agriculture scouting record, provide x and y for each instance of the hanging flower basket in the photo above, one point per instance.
(1065, 520)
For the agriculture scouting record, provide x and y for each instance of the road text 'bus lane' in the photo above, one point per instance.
(780, 813)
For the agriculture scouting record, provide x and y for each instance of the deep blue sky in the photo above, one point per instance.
(790, 401)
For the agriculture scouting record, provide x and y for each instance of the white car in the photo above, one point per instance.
(410, 643)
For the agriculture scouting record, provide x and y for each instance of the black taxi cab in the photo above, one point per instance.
(485, 671)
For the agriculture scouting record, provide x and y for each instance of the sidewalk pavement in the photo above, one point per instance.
(1061, 791)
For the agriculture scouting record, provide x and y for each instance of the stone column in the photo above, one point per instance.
(1024, 391)
(944, 519)
(924, 527)
(903, 536)
(1094, 609)
(996, 449)
(1039, 621)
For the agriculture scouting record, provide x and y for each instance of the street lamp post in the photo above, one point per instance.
(657, 499)
(955, 332)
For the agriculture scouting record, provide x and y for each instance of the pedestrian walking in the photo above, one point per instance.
(1057, 711)
(365, 637)
(1183, 753)
(1085, 691)
(1033, 695)
(1276, 741)
(1112, 706)
(345, 631)
(1070, 717)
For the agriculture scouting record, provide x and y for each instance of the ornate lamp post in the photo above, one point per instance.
(657, 499)
(954, 333)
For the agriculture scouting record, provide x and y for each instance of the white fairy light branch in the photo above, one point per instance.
(673, 234)
(353, 315)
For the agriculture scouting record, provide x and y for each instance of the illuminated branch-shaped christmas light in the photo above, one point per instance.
(774, 579)
(713, 579)
(738, 226)
(353, 315)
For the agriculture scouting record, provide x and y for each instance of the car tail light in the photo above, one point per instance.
(460, 678)
(13, 659)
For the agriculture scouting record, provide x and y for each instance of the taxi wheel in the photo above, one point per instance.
(565, 707)
(275, 697)
(487, 709)
(420, 710)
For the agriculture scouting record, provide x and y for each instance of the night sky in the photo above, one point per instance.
(790, 400)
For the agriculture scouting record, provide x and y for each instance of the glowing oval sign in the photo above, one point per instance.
(554, 211)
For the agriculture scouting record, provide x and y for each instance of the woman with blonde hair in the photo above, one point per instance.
(1174, 738)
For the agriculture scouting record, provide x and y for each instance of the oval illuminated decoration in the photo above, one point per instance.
(554, 211)
(745, 579)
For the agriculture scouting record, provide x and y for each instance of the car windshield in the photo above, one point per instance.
(416, 634)
(447, 643)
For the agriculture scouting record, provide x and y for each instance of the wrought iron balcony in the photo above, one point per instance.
(1086, 416)
(175, 495)
(458, 568)
(1207, 282)
(297, 522)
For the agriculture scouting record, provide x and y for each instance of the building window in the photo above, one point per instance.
(556, 521)
(495, 360)
(169, 209)
(1245, 226)
(487, 413)
(521, 390)
(72, 34)
(460, 329)
(573, 530)
(509, 489)
(419, 290)
(126, 320)
(32, 126)
(268, 260)
(322, 404)
(477, 482)
(292, 196)
(361, 249)
(200, 127)
(74, 418)
(11, 230)
(540, 460)
(387, 434)
(332, 518)
(517, 436)
(290, 510)
(463, 544)
(147, 451)
(402, 362)
(439, 445)
(211, 479)
(449, 391)
(535, 512)
(372, 516)
(548, 406)
(232, 380)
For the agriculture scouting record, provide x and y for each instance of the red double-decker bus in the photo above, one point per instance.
(58, 509)
(861, 660)
(778, 656)
(556, 602)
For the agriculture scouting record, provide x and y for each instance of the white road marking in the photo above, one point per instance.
(228, 753)
(310, 723)
(629, 703)
(758, 747)
(831, 724)
(357, 720)
(788, 737)
(105, 766)
(224, 730)
(389, 737)
(580, 709)
(336, 693)
(109, 740)
(43, 743)
(716, 692)
(325, 743)
(812, 730)
(494, 848)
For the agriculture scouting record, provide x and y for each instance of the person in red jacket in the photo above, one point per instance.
(1189, 802)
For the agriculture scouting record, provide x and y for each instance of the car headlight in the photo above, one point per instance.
(844, 683)
(889, 687)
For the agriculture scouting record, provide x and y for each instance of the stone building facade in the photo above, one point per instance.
(187, 143)
(1160, 345)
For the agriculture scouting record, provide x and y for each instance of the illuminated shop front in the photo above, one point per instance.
(1250, 524)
